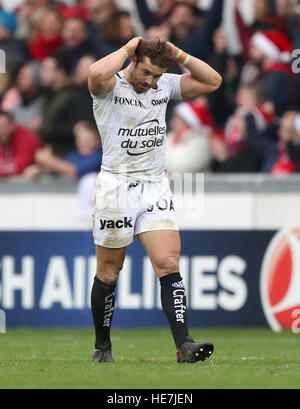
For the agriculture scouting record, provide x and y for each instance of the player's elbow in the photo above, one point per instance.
(216, 82)
(94, 73)
(95, 80)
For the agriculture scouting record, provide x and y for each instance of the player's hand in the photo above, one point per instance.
(175, 49)
(132, 45)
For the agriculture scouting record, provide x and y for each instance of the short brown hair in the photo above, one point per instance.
(159, 52)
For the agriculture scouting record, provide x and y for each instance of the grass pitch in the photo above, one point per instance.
(145, 359)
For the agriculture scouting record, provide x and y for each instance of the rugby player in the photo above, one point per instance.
(129, 108)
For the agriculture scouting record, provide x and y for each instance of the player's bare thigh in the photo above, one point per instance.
(163, 248)
(109, 263)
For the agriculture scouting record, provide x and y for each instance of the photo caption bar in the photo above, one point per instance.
(143, 398)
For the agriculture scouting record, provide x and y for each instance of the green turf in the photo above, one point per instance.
(61, 358)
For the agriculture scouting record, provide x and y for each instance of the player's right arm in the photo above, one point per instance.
(102, 73)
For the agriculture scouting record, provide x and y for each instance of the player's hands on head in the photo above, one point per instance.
(175, 49)
(132, 45)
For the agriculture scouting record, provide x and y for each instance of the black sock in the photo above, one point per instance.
(173, 301)
(102, 304)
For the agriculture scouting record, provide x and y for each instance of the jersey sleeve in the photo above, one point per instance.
(172, 81)
(102, 105)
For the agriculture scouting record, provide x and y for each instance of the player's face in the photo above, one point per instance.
(145, 75)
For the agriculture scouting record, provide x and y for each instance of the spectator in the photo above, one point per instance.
(183, 20)
(162, 12)
(16, 51)
(117, 30)
(199, 41)
(162, 31)
(29, 14)
(47, 37)
(280, 151)
(85, 159)
(17, 147)
(74, 11)
(293, 142)
(280, 15)
(100, 11)
(188, 148)
(56, 92)
(222, 102)
(75, 43)
(188, 32)
(62, 38)
(78, 105)
(233, 153)
(149, 18)
(24, 101)
(270, 53)
(293, 16)
(265, 18)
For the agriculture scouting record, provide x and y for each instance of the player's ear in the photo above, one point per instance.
(133, 59)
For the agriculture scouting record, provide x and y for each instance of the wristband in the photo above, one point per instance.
(125, 48)
(182, 57)
(186, 60)
(178, 54)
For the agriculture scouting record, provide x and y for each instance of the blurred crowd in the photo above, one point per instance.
(250, 124)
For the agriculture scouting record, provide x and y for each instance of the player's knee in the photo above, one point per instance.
(108, 272)
(111, 278)
(168, 265)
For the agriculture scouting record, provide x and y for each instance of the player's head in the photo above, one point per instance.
(151, 59)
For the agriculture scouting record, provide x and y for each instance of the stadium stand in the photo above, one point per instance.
(49, 44)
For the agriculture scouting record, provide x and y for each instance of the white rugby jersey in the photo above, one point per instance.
(132, 127)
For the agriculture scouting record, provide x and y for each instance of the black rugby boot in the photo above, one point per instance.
(103, 354)
(190, 352)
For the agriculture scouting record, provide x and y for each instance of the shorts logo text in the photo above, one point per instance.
(119, 224)
(162, 205)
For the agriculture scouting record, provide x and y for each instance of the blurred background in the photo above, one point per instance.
(240, 245)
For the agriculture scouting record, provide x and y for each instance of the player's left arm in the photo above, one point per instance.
(201, 79)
